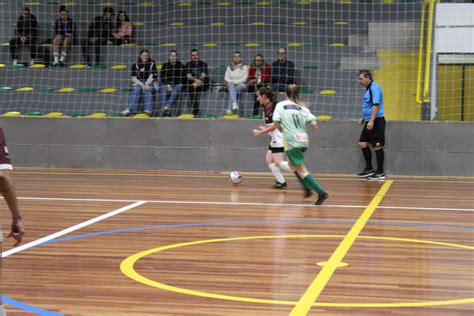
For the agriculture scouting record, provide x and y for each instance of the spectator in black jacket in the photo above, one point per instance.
(100, 32)
(26, 35)
(198, 81)
(171, 81)
(283, 71)
(64, 34)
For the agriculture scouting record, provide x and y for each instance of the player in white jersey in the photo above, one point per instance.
(275, 154)
(292, 118)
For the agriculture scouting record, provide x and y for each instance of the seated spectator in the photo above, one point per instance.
(259, 77)
(283, 71)
(171, 81)
(99, 33)
(26, 33)
(235, 77)
(64, 34)
(123, 29)
(143, 73)
(198, 81)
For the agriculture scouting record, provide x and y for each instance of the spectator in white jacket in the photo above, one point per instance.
(235, 77)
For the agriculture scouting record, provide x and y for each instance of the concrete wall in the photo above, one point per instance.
(413, 148)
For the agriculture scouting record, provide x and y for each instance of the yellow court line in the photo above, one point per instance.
(319, 283)
(127, 268)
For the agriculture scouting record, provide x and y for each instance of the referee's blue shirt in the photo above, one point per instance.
(373, 95)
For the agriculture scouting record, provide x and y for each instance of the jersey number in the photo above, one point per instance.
(296, 120)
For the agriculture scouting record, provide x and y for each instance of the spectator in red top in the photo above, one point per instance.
(259, 76)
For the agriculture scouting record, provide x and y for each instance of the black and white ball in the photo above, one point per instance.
(235, 177)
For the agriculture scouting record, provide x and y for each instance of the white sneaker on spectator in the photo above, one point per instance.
(126, 112)
(63, 58)
(229, 112)
(235, 106)
(32, 62)
(15, 62)
(55, 63)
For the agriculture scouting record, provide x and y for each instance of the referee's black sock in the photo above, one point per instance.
(380, 155)
(368, 158)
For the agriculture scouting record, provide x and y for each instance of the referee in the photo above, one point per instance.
(373, 132)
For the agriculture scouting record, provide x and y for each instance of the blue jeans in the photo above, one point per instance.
(234, 91)
(135, 97)
(278, 87)
(167, 99)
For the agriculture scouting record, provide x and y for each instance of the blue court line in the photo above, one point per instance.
(28, 308)
(40, 311)
(330, 221)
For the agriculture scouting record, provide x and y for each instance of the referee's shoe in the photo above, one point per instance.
(366, 173)
(377, 176)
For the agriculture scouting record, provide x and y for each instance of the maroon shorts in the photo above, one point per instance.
(5, 162)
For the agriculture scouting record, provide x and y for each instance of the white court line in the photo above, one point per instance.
(71, 229)
(251, 204)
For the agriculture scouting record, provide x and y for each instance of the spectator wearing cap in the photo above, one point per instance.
(99, 33)
(26, 34)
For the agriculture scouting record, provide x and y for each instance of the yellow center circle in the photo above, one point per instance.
(127, 268)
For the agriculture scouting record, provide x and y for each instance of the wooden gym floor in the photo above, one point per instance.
(146, 243)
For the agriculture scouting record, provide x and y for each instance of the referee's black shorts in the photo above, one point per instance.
(375, 137)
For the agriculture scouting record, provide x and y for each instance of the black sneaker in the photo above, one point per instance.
(321, 198)
(377, 176)
(366, 173)
(279, 185)
(307, 192)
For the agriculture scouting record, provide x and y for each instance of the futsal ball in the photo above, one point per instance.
(235, 177)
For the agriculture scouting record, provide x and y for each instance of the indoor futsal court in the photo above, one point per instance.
(121, 242)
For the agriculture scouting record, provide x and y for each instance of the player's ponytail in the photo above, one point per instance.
(292, 92)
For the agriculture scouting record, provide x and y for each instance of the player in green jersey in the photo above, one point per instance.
(292, 118)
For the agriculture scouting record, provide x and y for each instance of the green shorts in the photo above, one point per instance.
(296, 155)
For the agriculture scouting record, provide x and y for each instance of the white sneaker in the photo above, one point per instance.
(126, 112)
(15, 62)
(235, 106)
(55, 63)
(229, 111)
(32, 62)
(63, 58)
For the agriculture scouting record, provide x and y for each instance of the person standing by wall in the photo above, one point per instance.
(373, 132)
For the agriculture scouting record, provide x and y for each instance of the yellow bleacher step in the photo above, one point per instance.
(327, 92)
(54, 114)
(67, 90)
(13, 113)
(25, 89)
(97, 115)
(231, 117)
(186, 116)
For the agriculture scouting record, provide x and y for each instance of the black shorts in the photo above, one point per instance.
(276, 150)
(5, 162)
(375, 137)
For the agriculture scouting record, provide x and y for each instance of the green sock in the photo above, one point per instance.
(310, 181)
(303, 185)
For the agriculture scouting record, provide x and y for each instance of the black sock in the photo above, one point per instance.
(368, 158)
(380, 155)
